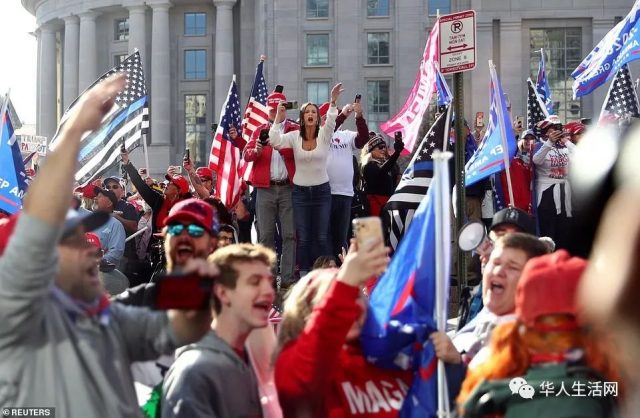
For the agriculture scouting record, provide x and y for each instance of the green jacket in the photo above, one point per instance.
(549, 400)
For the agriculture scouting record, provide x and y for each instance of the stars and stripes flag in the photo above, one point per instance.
(13, 177)
(622, 100)
(536, 109)
(409, 301)
(409, 118)
(126, 122)
(542, 84)
(416, 179)
(225, 156)
(490, 157)
(256, 114)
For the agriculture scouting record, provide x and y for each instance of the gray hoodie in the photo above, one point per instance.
(51, 353)
(209, 379)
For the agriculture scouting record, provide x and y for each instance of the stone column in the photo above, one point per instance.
(38, 35)
(87, 62)
(223, 60)
(510, 70)
(137, 30)
(480, 76)
(160, 75)
(47, 75)
(70, 61)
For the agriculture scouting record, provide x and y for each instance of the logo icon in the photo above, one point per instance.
(521, 387)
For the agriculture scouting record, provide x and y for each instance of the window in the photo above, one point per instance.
(121, 32)
(317, 8)
(318, 91)
(195, 24)
(378, 48)
(195, 127)
(195, 64)
(377, 8)
(117, 59)
(318, 49)
(444, 6)
(563, 53)
(377, 102)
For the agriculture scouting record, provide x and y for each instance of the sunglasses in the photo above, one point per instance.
(193, 230)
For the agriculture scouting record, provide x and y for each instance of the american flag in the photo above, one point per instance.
(275, 317)
(416, 179)
(621, 101)
(536, 110)
(225, 156)
(255, 115)
(542, 84)
(127, 120)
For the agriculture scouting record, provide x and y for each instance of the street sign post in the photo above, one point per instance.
(457, 42)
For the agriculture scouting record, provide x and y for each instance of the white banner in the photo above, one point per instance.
(31, 143)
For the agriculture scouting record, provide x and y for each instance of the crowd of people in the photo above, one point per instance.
(82, 270)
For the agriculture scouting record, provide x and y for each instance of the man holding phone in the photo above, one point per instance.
(272, 176)
(215, 377)
(62, 343)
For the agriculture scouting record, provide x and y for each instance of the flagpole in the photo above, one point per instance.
(442, 234)
(503, 133)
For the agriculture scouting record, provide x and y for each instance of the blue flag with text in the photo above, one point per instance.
(13, 179)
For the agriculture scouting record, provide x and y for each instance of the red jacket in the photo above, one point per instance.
(521, 181)
(318, 373)
(261, 173)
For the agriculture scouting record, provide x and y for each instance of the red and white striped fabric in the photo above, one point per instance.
(256, 114)
(225, 156)
(275, 317)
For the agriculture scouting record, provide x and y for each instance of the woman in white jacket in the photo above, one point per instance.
(311, 191)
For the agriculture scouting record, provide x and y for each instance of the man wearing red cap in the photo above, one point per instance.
(62, 343)
(272, 176)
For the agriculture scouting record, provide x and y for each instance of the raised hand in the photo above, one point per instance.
(335, 92)
(360, 264)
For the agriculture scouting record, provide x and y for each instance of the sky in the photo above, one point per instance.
(18, 69)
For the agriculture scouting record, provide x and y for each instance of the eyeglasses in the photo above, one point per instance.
(193, 230)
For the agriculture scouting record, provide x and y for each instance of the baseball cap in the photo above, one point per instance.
(195, 211)
(274, 99)
(548, 285)
(90, 221)
(93, 239)
(108, 193)
(180, 182)
(204, 172)
(114, 179)
(516, 217)
(7, 225)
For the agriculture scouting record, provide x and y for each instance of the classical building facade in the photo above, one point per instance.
(191, 49)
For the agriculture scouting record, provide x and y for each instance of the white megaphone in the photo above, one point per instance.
(471, 236)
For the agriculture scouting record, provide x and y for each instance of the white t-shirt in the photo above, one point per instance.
(340, 162)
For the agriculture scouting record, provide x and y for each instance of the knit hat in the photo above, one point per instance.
(516, 217)
(180, 182)
(548, 285)
(374, 142)
(274, 99)
(205, 172)
(196, 211)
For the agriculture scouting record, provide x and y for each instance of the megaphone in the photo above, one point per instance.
(471, 236)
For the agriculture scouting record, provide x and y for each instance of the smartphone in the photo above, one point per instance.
(358, 98)
(178, 169)
(264, 137)
(142, 171)
(519, 122)
(398, 136)
(180, 291)
(187, 155)
(479, 119)
(367, 229)
(123, 148)
(291, 105)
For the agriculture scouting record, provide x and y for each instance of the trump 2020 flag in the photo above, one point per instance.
(620, 46)
(13, 179)
(125, 123)
(489, 157)
(402, 306)
(542, 83)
